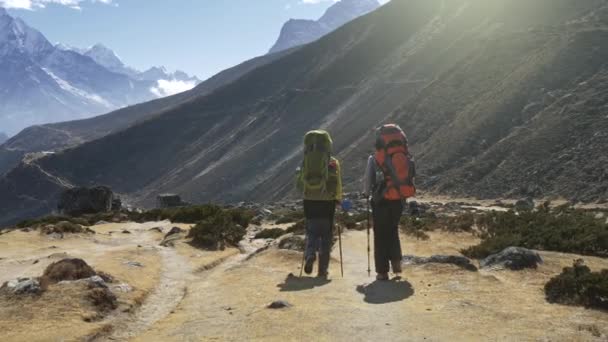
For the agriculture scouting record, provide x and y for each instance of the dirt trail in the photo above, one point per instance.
(196, 295)
(166, 296)
(430, 303)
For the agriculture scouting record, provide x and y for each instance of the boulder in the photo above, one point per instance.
(22, 286)
(457, 260)
(513, 258)
(169, 201)
(78, 201)
(173, 231)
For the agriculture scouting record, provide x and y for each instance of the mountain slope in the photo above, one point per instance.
(42, 83)
(298, 32)
(485, 91)
(58, 136)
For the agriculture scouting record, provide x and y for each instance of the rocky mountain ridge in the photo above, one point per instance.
(298, 32)
(43, 83)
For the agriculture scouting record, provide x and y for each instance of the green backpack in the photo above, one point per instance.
(315, 178)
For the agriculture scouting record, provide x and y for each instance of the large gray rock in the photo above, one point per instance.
(513, 258)
(78, 201)
(457, 260)
(22, 286)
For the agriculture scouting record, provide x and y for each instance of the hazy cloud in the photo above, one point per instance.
(35, 4)
(171, 87)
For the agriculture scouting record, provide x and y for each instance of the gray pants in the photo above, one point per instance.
(319, 239)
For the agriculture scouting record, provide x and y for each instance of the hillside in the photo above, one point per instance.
(58, 136)
(499, 98)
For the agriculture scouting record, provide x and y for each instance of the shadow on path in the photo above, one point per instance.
(293, 283)
(382, 292)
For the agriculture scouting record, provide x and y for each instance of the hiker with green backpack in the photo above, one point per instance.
(320, 181)
(389, 181)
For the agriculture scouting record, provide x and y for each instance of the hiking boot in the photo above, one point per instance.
(396, 265)
(322, 275)
(310, 261)
(382, 276)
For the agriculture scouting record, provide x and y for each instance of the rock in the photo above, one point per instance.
(124, 288)
(67, 269)
(22, 286)
(99, 223)
(264, 212)
(156, 229)
(116, 204)
(134, 264)
(525, 205)
(293, 242)
(279, 304)
(169, 201)
(457, 260)
(126, 232)
(172, 236)
(513, 258)
(106, 277)
(173, 231)
(78, 201)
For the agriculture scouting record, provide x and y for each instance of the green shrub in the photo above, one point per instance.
(562, 229)
(291, 216)
(241, 217)
(417, 227)
(273, 233)
(577, 285)
(35, 223)
(217, 231)
(298, 228)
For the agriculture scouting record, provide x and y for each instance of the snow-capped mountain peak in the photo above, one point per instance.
(104, 56)
(43, 83)
(299, 32)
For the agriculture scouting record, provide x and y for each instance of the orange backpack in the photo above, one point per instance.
(397, 164)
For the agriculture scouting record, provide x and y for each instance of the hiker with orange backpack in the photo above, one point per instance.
(389, 181)
(320, 181)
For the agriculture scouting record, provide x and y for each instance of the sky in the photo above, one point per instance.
(200, 37)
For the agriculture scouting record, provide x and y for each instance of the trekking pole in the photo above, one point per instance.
(304, 254)
(369, 267)
(340, 245)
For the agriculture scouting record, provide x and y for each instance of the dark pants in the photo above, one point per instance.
(319, 239)
(387, 246)
(319, 231)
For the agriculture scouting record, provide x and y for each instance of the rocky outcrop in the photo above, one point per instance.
(513, 258)
(298, 32)
(81, 200)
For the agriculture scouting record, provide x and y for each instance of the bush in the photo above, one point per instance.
(241, 217)
(292, 216)
(577, 285)
(563, 229)
(417, 227)
(273, 233)
(217, 231)
(63, 227)
(298, 228)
